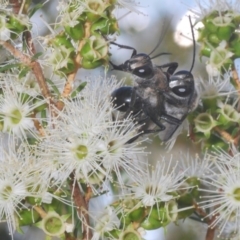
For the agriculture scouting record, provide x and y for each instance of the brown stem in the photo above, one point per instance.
(27, 36)
(34, 65)
(37, 125)
(16, 5)
(226, 136)
(82, 208)
(69, 237)
(88, 195)
(237, 85)
(211, 230)
(40, 211)
(77, 61)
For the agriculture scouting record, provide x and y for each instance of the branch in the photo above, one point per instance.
(68, 86)
(82, 207)
(34, 65)
(16, 5)
(211, 230)
(226, 136)
(40, 211)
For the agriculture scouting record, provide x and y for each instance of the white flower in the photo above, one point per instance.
(207, 6)
(220, 56)
(87, 141)
(16, 109)
(17, 181)
(105, 222)
(69, 12)
(223, 193)
(157, 184)
(194, 166)
(117, 154)
(214, 87)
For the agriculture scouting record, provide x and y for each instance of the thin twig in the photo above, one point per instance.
(40, 211)
(82, 207)
(88, 195)
(15, 5)
(211, 230)
(34, 65)
(226, 136)
(77, 61)
(237, 85)
(37, 125)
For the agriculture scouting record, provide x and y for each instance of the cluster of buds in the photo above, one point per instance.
(11, 25)
(219, 39)
(82, 41)
(216, 120)
(133, 217)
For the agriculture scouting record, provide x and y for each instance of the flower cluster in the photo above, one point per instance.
(63, 143)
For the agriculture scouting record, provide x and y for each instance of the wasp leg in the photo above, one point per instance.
(144, 132)
(116, 67)
(170, 119)
(126, 47)
(171, 67)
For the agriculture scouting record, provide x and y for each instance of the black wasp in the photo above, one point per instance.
(160, 100)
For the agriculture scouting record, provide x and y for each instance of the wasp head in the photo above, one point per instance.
(139, 65)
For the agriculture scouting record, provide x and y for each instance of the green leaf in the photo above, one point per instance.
(36, 56)
(55, 89)
(78, 89)
(34, 9)
(9, 66)
(23, 72)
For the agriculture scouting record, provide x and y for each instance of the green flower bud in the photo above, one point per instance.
(205, 51)
(214, 143)
(62, 40)
(130, 234)
(76, 32)
(105, 26)
(225, 32)
(210, 102)
(185, 211)
(204, 123)
(95, 9)
(113, 234)
(152, 223)
(53, 224)
(16, 23)
(236, 49)
(228, 114)
(137, 214)
(210, 26)
(214, 39)
(171, 207)
(125, 219)
(91, 65)
(27, 217)
(186, 199)
(194, 182)
(95, 48)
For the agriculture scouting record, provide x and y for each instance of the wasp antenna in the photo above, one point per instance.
(125, 47)
(160, 54)
(194, 44)
(163, 32)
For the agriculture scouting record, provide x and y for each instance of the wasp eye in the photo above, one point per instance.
(143, 72)
(182, 91)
